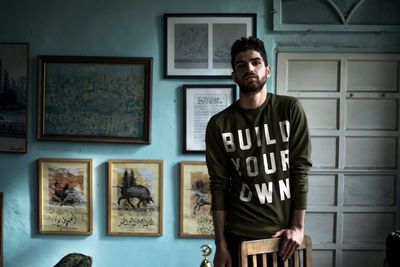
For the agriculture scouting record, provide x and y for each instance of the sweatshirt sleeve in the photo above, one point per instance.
(300, 155)
(217, 165)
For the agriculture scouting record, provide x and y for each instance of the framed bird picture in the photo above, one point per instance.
(65, 196)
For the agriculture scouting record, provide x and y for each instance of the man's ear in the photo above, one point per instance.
(233, 76)
(269, 71)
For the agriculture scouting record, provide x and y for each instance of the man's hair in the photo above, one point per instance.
(244, 44)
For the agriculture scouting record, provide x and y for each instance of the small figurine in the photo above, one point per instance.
(206, 250)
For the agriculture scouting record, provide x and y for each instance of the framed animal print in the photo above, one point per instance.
(65, 196)
(135, 190)
(195, 201)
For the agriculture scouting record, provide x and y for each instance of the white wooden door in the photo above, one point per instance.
(352, 105)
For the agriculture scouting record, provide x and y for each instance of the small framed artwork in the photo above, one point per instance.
(135, 196)
(1, 229)
(14, 62)
(65, 196)
(201, 102)
(195, 201)
(199, 45)
(95, 99)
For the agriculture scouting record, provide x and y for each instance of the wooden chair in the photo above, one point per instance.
(251, 249)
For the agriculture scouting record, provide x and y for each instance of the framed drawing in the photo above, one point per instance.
(201, 102)
(195, 201)
(199, 45)
(14, 61)
(135, 196)
(65, 196)
(95, 99)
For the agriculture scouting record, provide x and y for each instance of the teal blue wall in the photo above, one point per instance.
(124, 28)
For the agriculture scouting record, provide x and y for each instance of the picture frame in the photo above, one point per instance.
(198, 45)
(1, 229)
(135, 197)
(201, 102)
(95, 99)
(195, 201)
(14, 65)
(65, 196)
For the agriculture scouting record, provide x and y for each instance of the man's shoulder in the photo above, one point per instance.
(283, 98)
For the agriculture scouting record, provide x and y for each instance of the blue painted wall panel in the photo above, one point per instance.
(123, 28)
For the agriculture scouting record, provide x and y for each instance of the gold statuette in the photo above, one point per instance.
(206, 250)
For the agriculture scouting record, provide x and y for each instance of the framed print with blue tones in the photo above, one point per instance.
(95, 99)
(13, 97)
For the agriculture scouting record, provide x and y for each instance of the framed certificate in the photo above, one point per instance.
(201, 102)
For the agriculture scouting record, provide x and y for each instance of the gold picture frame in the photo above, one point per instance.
(195, 201)
(65, 196)
(135, 197)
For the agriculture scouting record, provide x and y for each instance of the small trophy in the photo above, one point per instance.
(206, 250)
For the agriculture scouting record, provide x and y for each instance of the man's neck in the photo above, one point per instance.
(253, 101)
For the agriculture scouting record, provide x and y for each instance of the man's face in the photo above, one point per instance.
(250, 72)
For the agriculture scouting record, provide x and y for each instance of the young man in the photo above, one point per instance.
(258, 157)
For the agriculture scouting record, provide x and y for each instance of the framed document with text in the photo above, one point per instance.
(201, 102)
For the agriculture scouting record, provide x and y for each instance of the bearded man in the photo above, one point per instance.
(258, 156)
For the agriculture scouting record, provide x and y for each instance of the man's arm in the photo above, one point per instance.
(222, 256)
(300, 164)
(218, 170)
(293, 235)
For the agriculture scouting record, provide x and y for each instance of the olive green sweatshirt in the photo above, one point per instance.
(258, 162)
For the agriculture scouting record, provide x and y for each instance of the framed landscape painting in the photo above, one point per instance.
(95, 99)
(14, 59)
(65, 196)
(199, 45)
(195, 201)
(135, 193)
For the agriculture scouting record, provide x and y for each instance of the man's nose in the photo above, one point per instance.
(249, 67)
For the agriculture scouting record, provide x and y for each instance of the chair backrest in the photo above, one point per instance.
(250, 250)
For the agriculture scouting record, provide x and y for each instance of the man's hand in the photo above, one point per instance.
(222, 257)
(291, 240)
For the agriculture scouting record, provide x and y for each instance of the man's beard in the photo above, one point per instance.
(252, 87)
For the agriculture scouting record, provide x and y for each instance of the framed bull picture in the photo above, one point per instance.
(65, 196)
(135, 197)
(195, 201)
